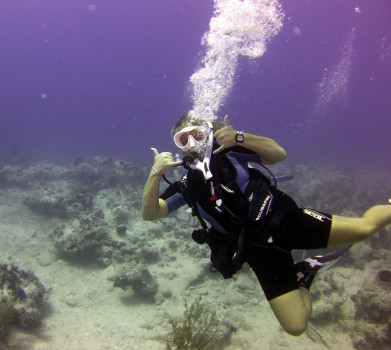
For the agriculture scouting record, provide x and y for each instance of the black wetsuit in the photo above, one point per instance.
(268, 253)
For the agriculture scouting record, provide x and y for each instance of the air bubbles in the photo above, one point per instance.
(297, 30)
(332, 89)
(238, 28)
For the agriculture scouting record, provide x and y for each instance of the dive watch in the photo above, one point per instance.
(239, 137)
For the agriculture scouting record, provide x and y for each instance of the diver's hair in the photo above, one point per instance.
(188, 120)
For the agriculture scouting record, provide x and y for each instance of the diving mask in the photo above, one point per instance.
(191, 138)
(197, 141)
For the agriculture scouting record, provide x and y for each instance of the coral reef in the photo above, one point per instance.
(31, 175)
(139, 279)
(93, 174)
(22, 298)
(85, 180)
(332, 190)
(98, 173)
(93, 239)
(52, 202)
(94, 211)
(85, 239)
(198, 329)
(326, 293)
(372, 328)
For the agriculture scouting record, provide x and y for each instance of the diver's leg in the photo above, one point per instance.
(293, 310)
(277, 274)
(346, 230)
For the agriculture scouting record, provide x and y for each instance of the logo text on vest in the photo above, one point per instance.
(265, 203)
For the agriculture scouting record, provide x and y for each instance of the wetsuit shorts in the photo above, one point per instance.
(274, 265)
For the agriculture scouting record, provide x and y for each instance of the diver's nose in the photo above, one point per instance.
(192, 142)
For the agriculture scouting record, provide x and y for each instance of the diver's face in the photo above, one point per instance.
(190, 139)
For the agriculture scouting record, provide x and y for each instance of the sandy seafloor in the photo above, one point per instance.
(85, 311)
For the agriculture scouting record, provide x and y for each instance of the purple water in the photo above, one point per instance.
(84, 78)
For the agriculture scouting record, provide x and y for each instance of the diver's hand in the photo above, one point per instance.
(225, 137)
(163, 161)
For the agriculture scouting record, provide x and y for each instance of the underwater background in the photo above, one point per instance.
(84, 78)
(88, 87)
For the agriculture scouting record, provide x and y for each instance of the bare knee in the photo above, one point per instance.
(292, 312)
(377, 218)
(368, 229)
(295, 324)
(295, 329)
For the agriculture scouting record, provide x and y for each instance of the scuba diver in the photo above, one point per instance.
(245, 218)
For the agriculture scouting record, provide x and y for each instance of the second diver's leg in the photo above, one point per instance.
(345, 230)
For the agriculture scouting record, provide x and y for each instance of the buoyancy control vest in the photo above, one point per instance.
(243, 216)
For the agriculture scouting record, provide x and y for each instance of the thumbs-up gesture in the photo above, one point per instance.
(225, 137)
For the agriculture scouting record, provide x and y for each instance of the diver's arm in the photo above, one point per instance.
(154, 207)
(268, 149)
